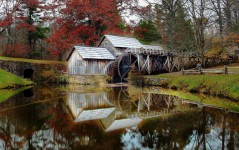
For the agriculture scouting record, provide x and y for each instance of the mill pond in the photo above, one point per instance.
(46, 117)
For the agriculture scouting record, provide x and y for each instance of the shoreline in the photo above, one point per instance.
(10, 81)
(225, 86)
(16, 86)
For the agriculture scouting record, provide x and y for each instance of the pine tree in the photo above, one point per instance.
(146, 32)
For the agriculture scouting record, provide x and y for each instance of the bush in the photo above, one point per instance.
(135, 78)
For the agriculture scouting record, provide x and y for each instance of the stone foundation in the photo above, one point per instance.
(147, 81)
(88, 79)
(37, 72)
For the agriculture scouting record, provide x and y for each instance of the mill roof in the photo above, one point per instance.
(123, 123)
(152, 47)
(94, 53)
(124, 42)
(95, 114)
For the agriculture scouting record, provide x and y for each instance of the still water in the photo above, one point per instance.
(113, 118)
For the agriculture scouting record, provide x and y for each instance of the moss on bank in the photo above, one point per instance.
(220, 85)
(8, 80)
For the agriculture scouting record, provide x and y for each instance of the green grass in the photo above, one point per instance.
(220, 85)
(31, 60)
(8, 80)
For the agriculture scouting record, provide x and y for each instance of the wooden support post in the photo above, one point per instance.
(199, 67)
(225, 69)
(139, 104)
(169, 66)
(149, 101)
(200, 70)
(149, 67)
(170, 63)
(182, 71)
(145, 64)
(130, 59)
(138, 62)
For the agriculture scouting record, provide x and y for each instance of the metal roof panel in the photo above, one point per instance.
(94, 53)
(95, 114)
(126, 42)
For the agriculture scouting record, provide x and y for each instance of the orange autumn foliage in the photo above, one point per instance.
(221, 47)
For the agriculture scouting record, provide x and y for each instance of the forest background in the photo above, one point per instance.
(47, 29)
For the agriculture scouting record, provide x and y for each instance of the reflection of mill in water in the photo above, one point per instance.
(118, 110)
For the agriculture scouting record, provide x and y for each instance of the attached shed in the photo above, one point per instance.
(89, 61)
(118, 44)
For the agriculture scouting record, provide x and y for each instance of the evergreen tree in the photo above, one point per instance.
(184, 37)
(30, 19)
(146, 32)
(176, 29)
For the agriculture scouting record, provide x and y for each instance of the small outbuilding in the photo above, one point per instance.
(89, 61)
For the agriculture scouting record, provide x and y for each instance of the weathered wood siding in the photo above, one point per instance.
(78, 102)
(79, 66)
(109, 46)
(120, 50)
(72, 70)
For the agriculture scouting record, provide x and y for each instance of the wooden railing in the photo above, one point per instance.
(225, 70)
(162, 52)
(151, 51)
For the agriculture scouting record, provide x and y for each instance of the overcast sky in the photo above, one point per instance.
(142, 3)
(136, 18)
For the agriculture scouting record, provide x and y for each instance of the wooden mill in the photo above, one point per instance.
(117, 56)
(130, 54)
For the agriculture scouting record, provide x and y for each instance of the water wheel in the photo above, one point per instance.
(125, 103)
(125, 63)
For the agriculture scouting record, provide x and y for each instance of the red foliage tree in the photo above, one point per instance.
(5, 22)
(22, 18)
(83, 22)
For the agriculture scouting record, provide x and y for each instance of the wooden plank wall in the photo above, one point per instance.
(78, 102)
(79, 66)
(108, 45)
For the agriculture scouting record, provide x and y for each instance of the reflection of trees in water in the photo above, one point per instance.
(30, 96)
(213, 130)
(47, 126)
(205, 129)
(133, 139)
(19, 125)
(233, 123)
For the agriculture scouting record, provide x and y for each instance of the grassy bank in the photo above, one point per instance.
(8, 80)
(220, 85)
